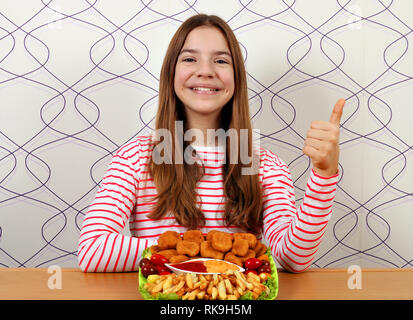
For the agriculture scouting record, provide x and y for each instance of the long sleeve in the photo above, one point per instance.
(102, 246)
(294, 234)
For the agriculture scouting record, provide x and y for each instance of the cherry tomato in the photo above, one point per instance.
(162, 269)
(163, 273)
(144, 261)
(158, 259)
(264, 269)
(250, 270)
(148, 270)
(265, 263)
(253, 263)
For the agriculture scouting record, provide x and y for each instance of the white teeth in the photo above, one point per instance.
(204, 89)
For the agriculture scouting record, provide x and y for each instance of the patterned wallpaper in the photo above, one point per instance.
(80, 78)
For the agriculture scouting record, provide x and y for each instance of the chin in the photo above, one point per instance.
(206, 109)
(206, 112)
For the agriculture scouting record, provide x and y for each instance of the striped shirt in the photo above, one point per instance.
(125, 196)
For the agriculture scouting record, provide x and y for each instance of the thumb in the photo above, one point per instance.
(337, 112)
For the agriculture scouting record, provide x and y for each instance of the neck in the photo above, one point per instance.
(198, 130)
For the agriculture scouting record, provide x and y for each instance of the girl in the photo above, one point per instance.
(203, 86)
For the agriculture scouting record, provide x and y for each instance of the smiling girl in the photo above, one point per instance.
(203, 86)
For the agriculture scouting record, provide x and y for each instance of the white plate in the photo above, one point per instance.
(180, 271)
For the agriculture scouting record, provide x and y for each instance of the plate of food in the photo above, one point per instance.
(217, 266)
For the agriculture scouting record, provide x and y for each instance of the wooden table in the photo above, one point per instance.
(317, 284)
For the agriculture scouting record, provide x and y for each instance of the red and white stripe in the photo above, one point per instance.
(124, 197)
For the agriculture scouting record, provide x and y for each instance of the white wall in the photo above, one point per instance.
(80, 78)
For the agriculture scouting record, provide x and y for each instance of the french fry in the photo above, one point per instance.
(179, 286)
(167, 283)
(197, 285)
(189, 282)
(238, 275)
(210, 286)
(175, 288)
(215, 279)
(228, 286)
(181, 292)
(193, 294)
(236, 293)
(200, 295)
(214, 293)
(158, 287)
(148, 286)
(240, 291)
(253, 276)
(232, 297)
(203, 285)
(257, 291)
(247, 284)
(222, 292)
(241, 284)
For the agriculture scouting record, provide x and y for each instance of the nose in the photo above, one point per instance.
(205, 69)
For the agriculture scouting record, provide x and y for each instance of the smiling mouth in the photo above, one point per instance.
(201, 89)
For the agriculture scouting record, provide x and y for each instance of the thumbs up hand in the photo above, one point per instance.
(321, 143)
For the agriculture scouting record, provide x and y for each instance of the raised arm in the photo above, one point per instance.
(294, 234)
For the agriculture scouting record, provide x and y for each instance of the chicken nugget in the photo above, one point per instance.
(231, 257)
(154, 249)
(252, 239)
(240, 247)
(168, 240)
(210, 234)
(179, 258)
(260, 249)
(250, 254)
(207, 251)
(189, 248)
(168, 253)
(221, 241)
(194, 235)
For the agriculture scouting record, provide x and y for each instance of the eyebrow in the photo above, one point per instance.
(218, 53)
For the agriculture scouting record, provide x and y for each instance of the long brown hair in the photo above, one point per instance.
(176, 182)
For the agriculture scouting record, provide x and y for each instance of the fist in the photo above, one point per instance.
(322, 142)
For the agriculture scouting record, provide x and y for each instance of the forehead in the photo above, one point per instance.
(206, 38)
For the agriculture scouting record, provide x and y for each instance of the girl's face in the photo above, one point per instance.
(204, 75)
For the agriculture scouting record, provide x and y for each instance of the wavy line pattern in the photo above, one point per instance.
(80, 78)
